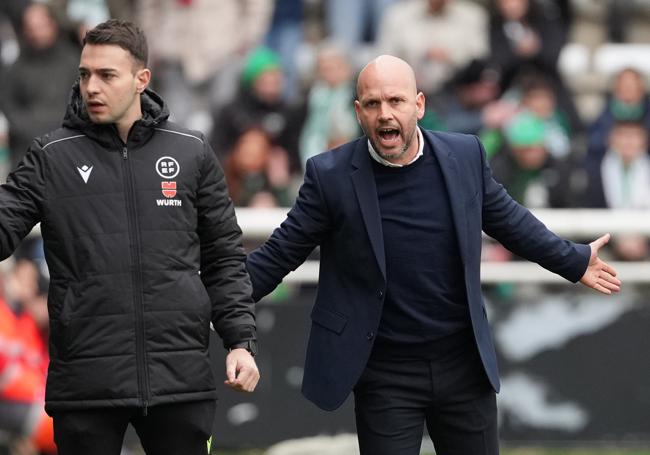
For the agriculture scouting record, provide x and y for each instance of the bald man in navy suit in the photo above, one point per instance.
(399, 318)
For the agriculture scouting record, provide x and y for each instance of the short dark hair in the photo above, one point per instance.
(120, 33)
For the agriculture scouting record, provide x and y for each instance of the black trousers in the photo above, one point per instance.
(174, 429)
(449, 391)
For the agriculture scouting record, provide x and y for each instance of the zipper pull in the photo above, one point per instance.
(124, 153)
(144, 409)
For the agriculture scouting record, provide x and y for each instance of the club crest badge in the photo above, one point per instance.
(168, 189)
(167, 167)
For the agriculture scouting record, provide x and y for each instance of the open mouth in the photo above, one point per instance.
(388, 134)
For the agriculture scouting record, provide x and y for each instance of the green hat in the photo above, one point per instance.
(257, 62)
(525, 130)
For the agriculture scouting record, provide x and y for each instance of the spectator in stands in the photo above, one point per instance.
(255, 166)
(284, 37)
(622, 181)
(461, 109)
(437, 37)
(13, 10)
(261, 105)
(619, 14)
(539, 98)
(527, 169)
(523, 38)
(196, 49)
(330, 119)
(628, 101)
(23, 362)
(34, 105)
(355, 23)
(78, 16)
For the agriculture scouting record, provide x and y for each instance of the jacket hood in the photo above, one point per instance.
(154, 112)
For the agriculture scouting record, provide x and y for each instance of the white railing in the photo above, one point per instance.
(570, 223)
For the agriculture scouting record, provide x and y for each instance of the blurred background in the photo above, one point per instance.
(557, 90)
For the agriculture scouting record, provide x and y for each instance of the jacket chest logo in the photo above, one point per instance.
(168, 189)
(85, 171)
(168, 168)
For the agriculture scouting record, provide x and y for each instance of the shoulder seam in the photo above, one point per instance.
(62, 139)
(180, 134)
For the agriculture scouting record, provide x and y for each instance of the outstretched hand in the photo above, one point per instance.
(241, 371)
(600, 275)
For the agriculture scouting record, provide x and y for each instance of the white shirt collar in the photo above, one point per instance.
(375, 156)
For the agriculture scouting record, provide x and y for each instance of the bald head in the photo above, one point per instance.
(388, 107)
(386, 69)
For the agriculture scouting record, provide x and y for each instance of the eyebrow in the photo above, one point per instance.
(99, 70)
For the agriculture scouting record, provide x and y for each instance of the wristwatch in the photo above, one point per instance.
(249, 345)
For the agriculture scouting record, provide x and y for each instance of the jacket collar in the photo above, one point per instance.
(154, 112)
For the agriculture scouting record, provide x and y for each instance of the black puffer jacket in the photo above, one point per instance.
(144, 252)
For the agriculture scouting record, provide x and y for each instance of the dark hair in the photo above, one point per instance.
(533, 80)
(120, 33)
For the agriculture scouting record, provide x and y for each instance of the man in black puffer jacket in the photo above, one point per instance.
(144, 253)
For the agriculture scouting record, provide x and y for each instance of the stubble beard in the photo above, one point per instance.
(396, 156)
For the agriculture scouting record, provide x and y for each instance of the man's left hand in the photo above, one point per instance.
(600, 275)
(241, 371)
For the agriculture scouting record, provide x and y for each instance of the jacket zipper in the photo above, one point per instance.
(136, 272)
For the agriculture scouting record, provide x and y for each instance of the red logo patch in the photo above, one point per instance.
(168, 189)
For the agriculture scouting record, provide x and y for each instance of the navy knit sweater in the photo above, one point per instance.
(426, 298)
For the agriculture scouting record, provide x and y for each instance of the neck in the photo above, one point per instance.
(126, 123)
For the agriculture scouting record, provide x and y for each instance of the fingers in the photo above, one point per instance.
(231, 369)
(600, 242)
(241, 372)
(609, 285)
(607, 277)
(602, 289)
(245, 381)
(609, 269)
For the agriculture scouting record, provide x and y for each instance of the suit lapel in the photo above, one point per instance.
(454, 184)
(365, 188)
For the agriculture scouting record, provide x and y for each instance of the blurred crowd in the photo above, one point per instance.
(272, 83)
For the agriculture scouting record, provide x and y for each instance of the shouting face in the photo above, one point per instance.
(388, 107)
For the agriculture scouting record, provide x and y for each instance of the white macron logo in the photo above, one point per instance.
(85, 171)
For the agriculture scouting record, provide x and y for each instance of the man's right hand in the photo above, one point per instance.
(241, 371)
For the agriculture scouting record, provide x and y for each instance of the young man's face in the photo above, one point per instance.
(629, 142)
(111, 81)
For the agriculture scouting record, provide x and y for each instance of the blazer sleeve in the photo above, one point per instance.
(223, 270)
(21, 200)
(522, 233)
(289, 245)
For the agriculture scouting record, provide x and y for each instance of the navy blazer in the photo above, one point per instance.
(337, 208)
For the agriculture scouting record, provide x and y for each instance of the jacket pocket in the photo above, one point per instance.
(59, 319)
(328, 319)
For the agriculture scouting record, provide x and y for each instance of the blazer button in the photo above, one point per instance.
(380, 294)
(370, 335)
